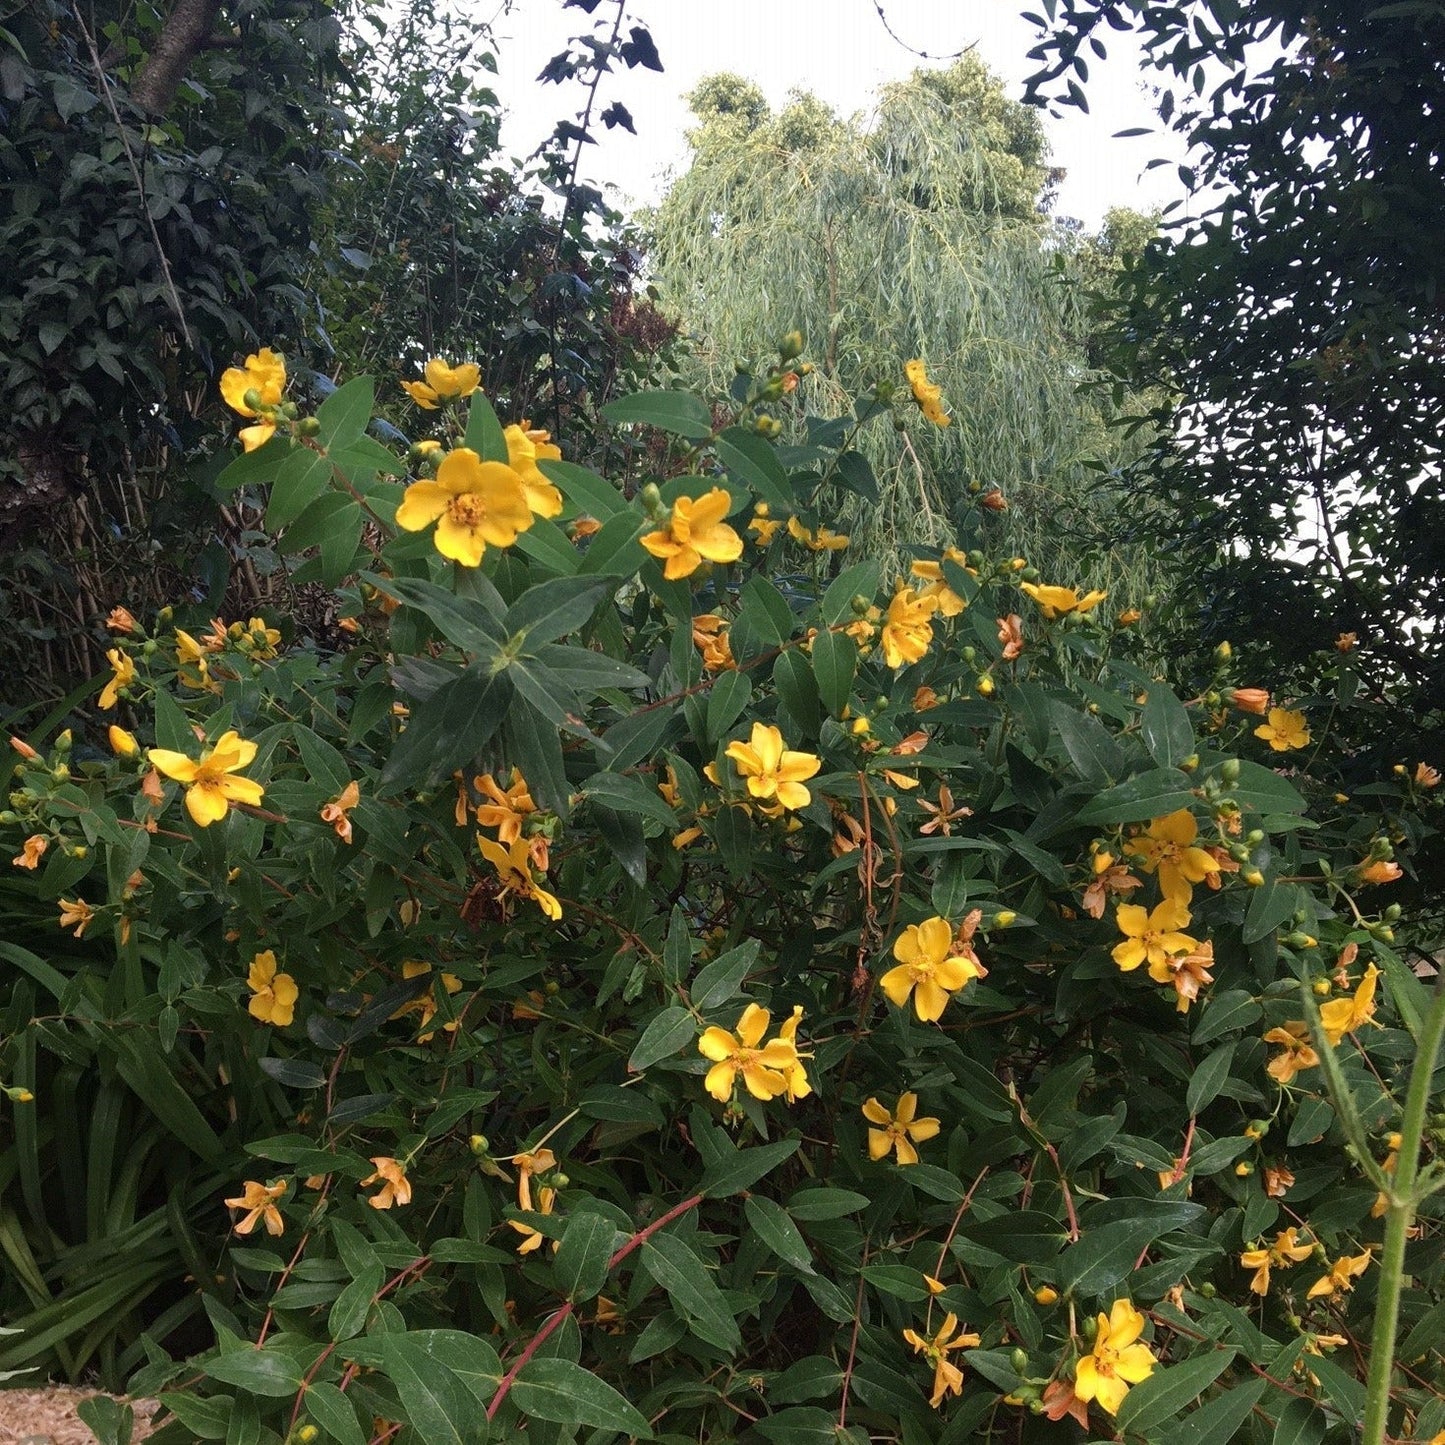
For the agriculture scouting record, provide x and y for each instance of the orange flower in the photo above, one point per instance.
(78, 912)
(1284, 730)
(1250, 699)
(907, 631)
(944, 814)
(395, 1186)
(120, 620)
(1345, 642)
(924, 699)
(1109, 877)
(532, 1238)
(1426, 776)
(1186, 973)
(993, 500)
(260, 1200)
(933, 965)
(822, 540)
(1380, 870)
(899, 1131)
(1278, 1181)
(338, 811)
(1011, 634)
(762, 525)
(1298, 1054)
(31, 851)
(710, 637)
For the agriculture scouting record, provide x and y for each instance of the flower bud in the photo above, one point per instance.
(1244, 1169)
(1256, 1128)
(252, 398)
(650, 497)
(1322, 987)
(985, 686)
(791, 345)
(1046, 1295)
(308, 426)
(1253, 877)
(1005, 919)
(1223, 652)
(1207, 1289)
(24, 749)
(1250, 699)
(1392, 913)
(1019, 1359)
(560, 1181)
(1189, 764)
(18, 1095)
(1229, 770)
(480, 1145)
(60, 773)
(122, 743)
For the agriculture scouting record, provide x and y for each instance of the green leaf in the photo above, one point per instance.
(563, 1392)
(1270, 905)
(1301, 1422)
(835, 660)
(1235, 1009)
(730, 694)
(1166, 1392)
(1147, 796)
(861, 579)
(345, 414)
(251, 469)
(335, 1414)
(736, 1172)
(793, 678)
(589, 672)
(1103, 1256)
(1167, 731)
(1265, 791)
(813, 1203)
(691, 1288)
(436, 1406)
(588, 493)
(665, 1035)
(1208, 1079)
(581, 1262)
(625, 794)
(484, 432)
(267, 1371)
(1094, 754)
(447, 730)
(469, 623)
(751, 460)
(678, 413)
(297, 482)
(208, 1419)
(722, 979)
(1217, 1422)
(311, 528)
(353, 1304)
(799, 1425)
(772, 1225)
(766, 610)
(553, 609)
(615, 548)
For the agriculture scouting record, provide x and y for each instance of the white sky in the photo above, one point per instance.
(840, 51)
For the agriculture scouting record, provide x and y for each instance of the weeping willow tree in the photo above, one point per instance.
(919, 230)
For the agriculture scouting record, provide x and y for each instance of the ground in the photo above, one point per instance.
(47, 1417)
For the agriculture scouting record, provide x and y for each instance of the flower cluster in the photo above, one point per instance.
(767, 1069)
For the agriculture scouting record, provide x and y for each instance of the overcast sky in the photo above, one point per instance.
(841, 51)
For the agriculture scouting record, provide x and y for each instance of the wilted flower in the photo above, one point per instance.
(1299, 1053)
(338, 811)
(395, 1186)
(260, 1200)
(32, 850)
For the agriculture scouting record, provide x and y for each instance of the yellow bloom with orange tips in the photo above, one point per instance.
(262, 377)
(933, 964)
(1152, 937)
(273, 994)
(1117, 1360)
(32, 850)
(898, 1131)
(1341, 1016)
(773, 773)
(75, 911)
(514, 867)
(1282, 1254)
(259, 1200)
(525, 448)
(1299, 1053)
(947, 1377)
(1284, 730)
(443, 383)
(822, 540)
(907, 629)
(1186, 973)
(1055, 602)
(338, 811)
(395, 1186)
(764, 1068)
(1167, 847)
(508, 807)
(122, 675)
(475, 505)
(694, 533)
(211, 784)
(1340, 1277)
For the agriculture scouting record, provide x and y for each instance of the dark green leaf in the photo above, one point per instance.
(1166, 1392)
(665, 1035)
(1167, 731)
(558, 1390)
(581, 1262)
(693, 1292)
(739, 1171)
(679, 413)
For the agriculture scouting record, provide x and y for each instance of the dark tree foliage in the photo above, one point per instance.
(1293, 322)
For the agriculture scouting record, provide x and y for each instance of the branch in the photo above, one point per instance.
(186, 33)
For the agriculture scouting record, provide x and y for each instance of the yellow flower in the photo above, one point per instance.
(907, 630)
(764, 526)
(31, 852)
(78, 912)
(1340, 1276)
(1117, 1361)
(898, 1131)
(514, 868)
(947, 1377)
(532, 1238)
(765, 1069)
(426, 1005)
(1151, 938)
(773, 772)
(1057, 601)
(443, 383)
(695, 533)
(1167, 846)
(474, 504)
(932, 964)
(122, 743)
(191, 654)
(820, 541)
(538, 1161)
(122, 675)
(925, 393)
(1284, 730)
(949, 603)
(524, 450)
(273, 995)
(1298, 1054)
(1282, 1254)
(338, 811)
(395, 1186)
(710, 637)
(795, 1073)
(1343, 1016)
(264, 374)
(211, 787)
(260, 1200)
(508, 808)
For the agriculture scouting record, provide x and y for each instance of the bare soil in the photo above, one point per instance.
(47, 1417)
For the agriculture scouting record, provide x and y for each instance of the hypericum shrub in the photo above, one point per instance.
(666, 982)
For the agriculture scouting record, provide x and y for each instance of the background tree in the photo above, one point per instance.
(918, 230)
(1295, 319)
